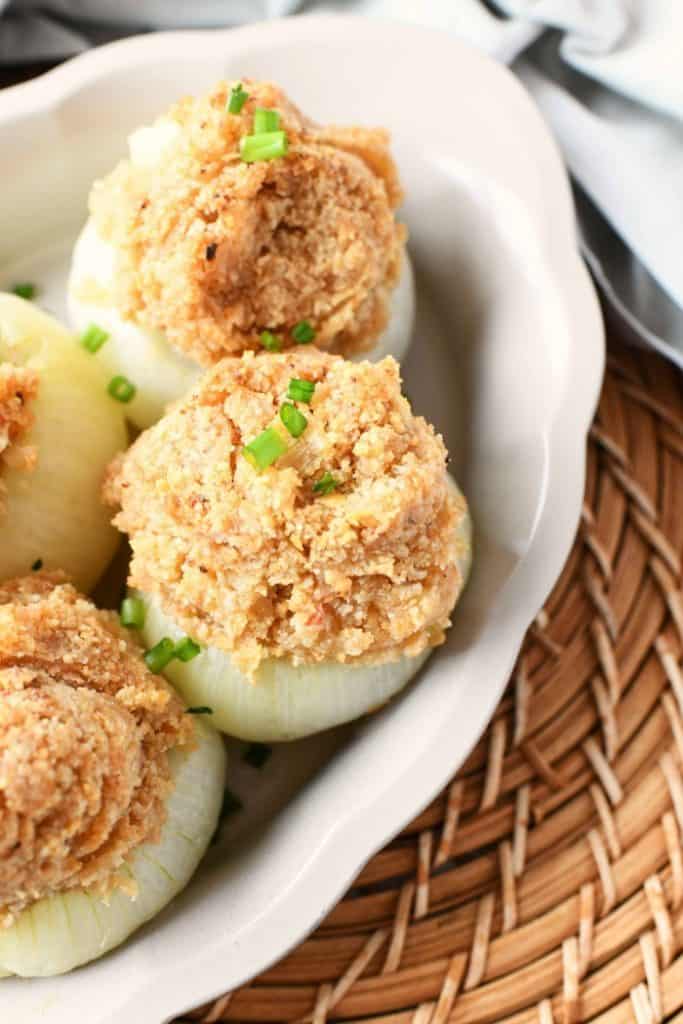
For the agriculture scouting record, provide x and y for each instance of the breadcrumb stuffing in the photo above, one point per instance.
(84, 734)
(18, 387)
(257, 563)
(212, 251)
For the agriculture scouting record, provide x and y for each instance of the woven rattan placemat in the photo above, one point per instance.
(546, 882)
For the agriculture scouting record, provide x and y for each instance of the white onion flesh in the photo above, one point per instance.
(147, 145)
(69, 929)
(160, 373)
(54, 512)
(285, 702)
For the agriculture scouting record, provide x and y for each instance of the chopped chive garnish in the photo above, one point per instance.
(326, 484)
(300, 390)
(93, 338)
(264, 146)
(37, 565)
(204, 709)
(265, 120)
(265, 449)
(121, 389)
(231, 804)
(132, 613)
(187, 649)
(270, 341)
(294, 420)
(158, 657)
(257, 754)
(24, 290)
(238, 97)
(303, 332)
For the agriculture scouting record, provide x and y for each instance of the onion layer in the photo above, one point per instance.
(69, 929)
(54, 513)
(283, 702)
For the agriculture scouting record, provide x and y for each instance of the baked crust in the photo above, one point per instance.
(212, 251)
(259, 564)
(84, 733)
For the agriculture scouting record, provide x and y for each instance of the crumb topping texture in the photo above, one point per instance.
(212, 251)
(84, 734)
(18, 388)
(259, 564)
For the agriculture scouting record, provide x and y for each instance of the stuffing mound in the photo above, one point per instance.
(212, 250)
(261, 563)
(18, 387)
(84, 734)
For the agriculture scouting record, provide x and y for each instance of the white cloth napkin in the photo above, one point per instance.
(607, 74)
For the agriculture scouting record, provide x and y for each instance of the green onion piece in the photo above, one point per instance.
(158, 657)
(24, 290)
(238, 97)
(121, 389)
(265, 146)
(37, 565)
(303, 332)
(204, 709)
(186, 649)
(265, 120)
(300, 390)
(132, 613)
(93, 338)
(257, 754)
(294, 420)
(326, 484)
(265, 449)
(271, 342)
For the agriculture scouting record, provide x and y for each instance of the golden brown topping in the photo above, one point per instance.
(213, 251)
(18, 387)
(259, 564)
(84, 734)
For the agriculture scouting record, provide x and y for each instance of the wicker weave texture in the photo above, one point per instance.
(545, 884)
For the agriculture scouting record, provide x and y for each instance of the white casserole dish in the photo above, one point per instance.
(507, 361)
